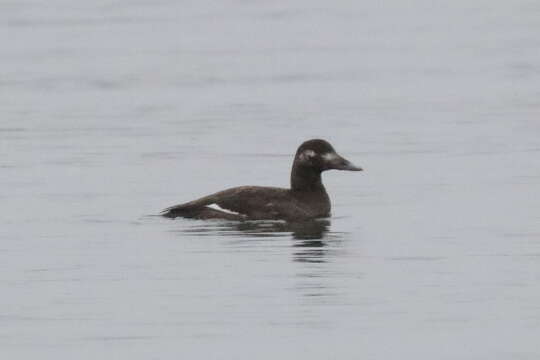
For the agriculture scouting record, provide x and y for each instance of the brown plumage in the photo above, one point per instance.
(306, 199)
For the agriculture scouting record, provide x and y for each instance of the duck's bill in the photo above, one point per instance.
(340, 163)
(349, 166)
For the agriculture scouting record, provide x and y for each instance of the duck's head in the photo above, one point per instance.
(320, 155)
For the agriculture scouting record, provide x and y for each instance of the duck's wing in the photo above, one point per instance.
(203, 208)
(240, 203)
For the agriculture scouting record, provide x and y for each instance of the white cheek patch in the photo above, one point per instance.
(330, 157)
(307, 154)
(217, 207)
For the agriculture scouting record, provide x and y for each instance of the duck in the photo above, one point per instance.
(306, 199)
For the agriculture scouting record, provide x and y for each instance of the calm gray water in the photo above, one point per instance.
(111, 111)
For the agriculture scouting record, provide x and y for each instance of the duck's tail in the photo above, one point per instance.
(176, 211)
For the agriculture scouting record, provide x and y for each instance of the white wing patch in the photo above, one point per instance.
(217, 207)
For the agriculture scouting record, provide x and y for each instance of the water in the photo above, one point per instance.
(111, 111)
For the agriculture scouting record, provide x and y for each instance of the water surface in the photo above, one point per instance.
(111, 111)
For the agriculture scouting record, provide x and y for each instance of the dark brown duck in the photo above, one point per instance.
(306, 199)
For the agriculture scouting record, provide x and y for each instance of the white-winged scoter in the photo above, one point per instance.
(306, 199)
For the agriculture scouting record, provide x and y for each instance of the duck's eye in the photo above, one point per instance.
(307, 155)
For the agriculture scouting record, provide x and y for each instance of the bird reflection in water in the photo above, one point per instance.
(310, 237)
(306, 230)
(313, 247)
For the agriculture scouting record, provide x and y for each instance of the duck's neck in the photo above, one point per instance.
(306, 179)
